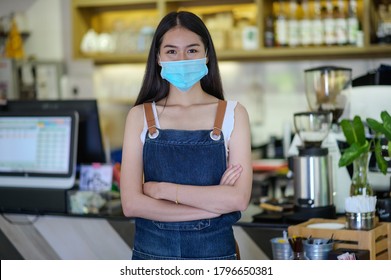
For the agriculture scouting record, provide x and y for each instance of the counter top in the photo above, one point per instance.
(270, 165)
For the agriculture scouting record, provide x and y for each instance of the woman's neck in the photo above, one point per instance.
(195, 96)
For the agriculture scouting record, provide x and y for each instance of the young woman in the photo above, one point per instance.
(186, 169)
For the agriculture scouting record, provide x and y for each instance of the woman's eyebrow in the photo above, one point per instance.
(170, 46)
(175, 47)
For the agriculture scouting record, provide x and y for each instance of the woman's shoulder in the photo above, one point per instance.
(238, 110)
(240, 107)
(237, 106)
(136, 113)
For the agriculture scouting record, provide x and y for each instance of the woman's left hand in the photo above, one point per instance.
(231, 174)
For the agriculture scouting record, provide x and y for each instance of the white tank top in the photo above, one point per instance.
(228, 123)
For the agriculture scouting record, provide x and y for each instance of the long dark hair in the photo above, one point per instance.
(154, 88)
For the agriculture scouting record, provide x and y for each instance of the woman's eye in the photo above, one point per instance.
(171, 52)
(192, 51)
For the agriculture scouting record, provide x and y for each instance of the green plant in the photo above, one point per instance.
(354, 132)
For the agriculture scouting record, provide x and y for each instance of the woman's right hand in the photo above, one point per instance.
(231, 174)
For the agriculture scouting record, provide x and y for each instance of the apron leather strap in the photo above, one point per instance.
(219, 117)
(222, 105)
(150, 118)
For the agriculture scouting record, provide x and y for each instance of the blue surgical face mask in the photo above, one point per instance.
(183, 74)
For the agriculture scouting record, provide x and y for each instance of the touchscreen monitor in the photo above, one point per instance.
(38, 149)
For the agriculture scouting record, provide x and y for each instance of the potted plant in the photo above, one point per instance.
(360, 147)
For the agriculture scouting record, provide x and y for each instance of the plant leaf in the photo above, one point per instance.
(385, 116)
(381, 162)
(386, 124)
(348, 131)
(353, 152)
(359, 130)
(354, 132)
(375, 125)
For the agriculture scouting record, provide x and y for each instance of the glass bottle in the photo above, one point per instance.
(305, 24)
(360, 184)
(353, 23)
(341, 24)
(281, 28)
(293, 25)
(317, 25)
(329, 24)
(381, 33)
(269, 32)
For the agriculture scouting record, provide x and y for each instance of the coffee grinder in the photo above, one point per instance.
(328, 88)
(312, 167)
(316, 175)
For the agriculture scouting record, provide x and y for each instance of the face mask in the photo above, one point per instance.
(183, 74)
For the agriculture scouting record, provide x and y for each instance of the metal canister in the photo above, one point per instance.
(360, 221)
(313, 178)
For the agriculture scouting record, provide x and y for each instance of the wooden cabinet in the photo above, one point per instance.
(226, 16)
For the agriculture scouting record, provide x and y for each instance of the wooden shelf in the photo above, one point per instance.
(23, 34)
(99, 14)
(117, 58)
(266, 54)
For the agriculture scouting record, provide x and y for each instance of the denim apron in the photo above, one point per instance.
(190, 158)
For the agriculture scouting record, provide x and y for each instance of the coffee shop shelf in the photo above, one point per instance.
(117, 15)
(265, 54)
(377, 240)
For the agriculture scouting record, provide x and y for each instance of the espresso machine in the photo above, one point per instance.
(314, 152)
(312, 167)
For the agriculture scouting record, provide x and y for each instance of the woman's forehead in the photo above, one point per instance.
(181, 37)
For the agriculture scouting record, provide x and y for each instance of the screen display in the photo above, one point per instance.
(90, 144)
(35, 144)
(38, 149)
